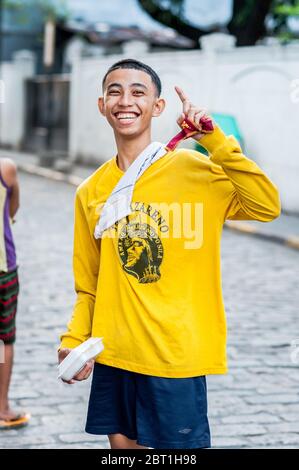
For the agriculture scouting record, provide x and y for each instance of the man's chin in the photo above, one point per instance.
(128, 132)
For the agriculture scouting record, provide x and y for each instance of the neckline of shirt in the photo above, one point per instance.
(118, 172)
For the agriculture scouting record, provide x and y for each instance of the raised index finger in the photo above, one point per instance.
(181, 94)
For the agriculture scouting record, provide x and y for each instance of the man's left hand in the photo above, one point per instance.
(192, 112)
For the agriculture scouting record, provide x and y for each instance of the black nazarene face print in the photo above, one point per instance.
(141, 251)
(139, 242)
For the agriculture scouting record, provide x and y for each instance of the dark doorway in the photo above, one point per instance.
(47, 114)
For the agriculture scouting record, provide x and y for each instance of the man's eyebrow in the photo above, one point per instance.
(139, 84)
(115, 84)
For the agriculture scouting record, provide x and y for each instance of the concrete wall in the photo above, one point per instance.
(254, 84)
(12, 109)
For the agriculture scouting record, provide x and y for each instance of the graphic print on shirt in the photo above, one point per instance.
(139, 245)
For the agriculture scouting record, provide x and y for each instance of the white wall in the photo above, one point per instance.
(12, 110)
(252, 83)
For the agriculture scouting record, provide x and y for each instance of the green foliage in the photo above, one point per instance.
(53, 10)
(287, 8)
(281, 11)
(241, 16)
(50, 9)
(12, 4)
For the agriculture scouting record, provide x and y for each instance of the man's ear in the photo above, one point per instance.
(101, 105)
(159, 107)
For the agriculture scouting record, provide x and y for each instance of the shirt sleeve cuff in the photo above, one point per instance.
(69, 342)
(214, 140)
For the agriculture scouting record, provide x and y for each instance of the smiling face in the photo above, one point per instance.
(130, 101)
(135, 251)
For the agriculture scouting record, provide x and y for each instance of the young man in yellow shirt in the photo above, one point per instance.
(151, 286)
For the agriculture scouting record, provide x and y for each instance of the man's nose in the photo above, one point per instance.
(126, 99)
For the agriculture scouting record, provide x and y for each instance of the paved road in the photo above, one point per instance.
(255, 405)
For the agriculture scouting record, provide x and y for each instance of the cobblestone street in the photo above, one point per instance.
(255, 405)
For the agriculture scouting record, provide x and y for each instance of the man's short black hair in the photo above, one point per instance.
(135, 64)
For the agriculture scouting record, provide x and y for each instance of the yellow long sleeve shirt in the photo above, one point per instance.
(152, 285)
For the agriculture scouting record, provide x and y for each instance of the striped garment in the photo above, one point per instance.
(9, 289)
(9, 282)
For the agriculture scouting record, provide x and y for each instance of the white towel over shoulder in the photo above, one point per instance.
(118, 204)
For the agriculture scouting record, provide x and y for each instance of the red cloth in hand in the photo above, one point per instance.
(188, 129)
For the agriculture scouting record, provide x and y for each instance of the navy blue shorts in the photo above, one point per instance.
(158, 412)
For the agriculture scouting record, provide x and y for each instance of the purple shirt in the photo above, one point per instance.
(8, 238)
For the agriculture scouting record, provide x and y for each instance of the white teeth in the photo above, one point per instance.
(126, 116)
